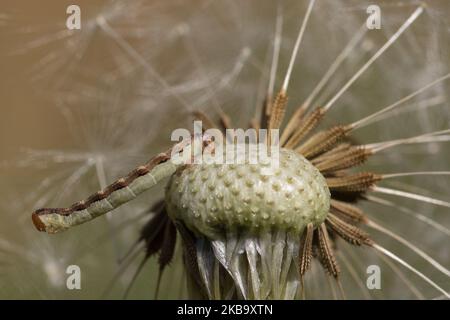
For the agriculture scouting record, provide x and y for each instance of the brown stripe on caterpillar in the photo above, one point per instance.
(55, 220)
(136, 173)
(51, 210)
(100, 195)
(116, 185)
(78, 206)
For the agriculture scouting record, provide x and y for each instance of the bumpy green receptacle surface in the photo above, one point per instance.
(211, 199)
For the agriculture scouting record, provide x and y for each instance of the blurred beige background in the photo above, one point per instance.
(32, 117)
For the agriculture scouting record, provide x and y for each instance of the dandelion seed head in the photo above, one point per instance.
(275, 208)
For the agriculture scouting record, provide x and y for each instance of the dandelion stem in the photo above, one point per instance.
(408, 244)
(410, 195)
(133, 279)
(401, 276)
(354, 274)
(436, 136)
(408, 266)
(297, 46)
(104, 25)
(373, 117)
(276, 52)
(190, 48)
(335, 65)
(417, 173)
(122, 268)
(391, 40)
(227, 78)
(421, 217)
